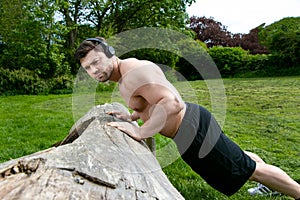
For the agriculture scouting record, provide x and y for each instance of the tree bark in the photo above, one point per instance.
(94, 161)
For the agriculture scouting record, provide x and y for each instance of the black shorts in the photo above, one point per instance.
(207, 150)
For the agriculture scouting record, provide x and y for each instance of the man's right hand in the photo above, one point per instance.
(120, 115)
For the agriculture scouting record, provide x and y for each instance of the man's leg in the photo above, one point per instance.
(274, 178)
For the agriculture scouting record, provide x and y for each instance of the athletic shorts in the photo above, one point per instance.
(212, 155)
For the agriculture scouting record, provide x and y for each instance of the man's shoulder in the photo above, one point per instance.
(141, 72)
(130, 64)
(134, 62)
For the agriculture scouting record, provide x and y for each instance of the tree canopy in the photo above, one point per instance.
(46, 32)
(282, 39)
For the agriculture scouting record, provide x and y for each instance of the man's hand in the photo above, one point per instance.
(127, 128)
(120, 115)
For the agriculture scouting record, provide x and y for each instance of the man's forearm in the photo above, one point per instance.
(155, 123)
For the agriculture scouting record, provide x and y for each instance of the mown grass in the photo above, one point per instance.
(262, 116)
(31, 123)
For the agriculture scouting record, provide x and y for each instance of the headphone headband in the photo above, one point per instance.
(108, 50)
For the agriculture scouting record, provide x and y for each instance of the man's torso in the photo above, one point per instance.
(136, 76)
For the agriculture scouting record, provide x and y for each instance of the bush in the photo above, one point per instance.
(236, 62)
(26, 82)
(21, 81)
(262, 65)
(61, 85)
(256, 62)
(254, 66)
(229, 60)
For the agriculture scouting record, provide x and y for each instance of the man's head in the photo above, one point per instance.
(95, 56)
(98, 44)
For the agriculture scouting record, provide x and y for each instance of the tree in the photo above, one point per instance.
(120, 15)
(71, 11)
(251, 42)
(282, 39)
(11, 31)
(105, 18)
(211, 32)
(133, 14)
(29, 35)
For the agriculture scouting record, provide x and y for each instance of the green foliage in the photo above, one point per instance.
(126, 15)
(229, 60)
(236, 62)
(25, 81)
(254, 66)
(283, 41)
(21, 81)
(32, 43)
(157, 56)
(256, 62)
(281, 27)
(60, 85)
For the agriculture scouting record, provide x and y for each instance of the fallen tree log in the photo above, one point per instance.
(94, 161)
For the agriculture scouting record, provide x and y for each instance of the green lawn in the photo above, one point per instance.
(262, 116)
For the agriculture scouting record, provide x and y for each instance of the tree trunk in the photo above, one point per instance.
(94, 161)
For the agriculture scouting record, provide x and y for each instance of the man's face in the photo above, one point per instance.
(97, 65)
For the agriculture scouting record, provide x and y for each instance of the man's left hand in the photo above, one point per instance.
(127, 128)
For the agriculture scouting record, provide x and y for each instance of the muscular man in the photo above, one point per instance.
(200, 141)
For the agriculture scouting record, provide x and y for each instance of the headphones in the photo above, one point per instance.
(108, 50)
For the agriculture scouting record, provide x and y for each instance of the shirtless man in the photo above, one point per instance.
(200, 141)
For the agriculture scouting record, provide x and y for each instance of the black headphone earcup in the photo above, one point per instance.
(110, 51)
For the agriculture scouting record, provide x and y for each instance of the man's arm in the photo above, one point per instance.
(163, 100)
(164, 104)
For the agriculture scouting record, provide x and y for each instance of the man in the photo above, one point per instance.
(199, 138)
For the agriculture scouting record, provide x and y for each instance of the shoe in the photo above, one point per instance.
(262, 190)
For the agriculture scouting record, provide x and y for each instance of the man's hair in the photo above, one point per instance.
(85, 47)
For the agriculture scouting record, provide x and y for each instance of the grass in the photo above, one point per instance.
(31, 123)
(262, 116)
